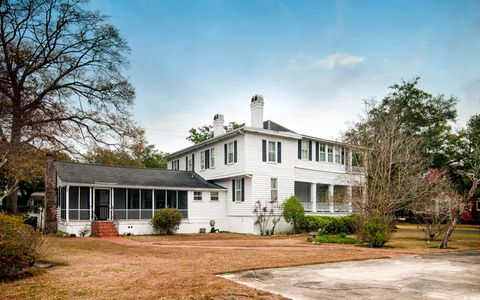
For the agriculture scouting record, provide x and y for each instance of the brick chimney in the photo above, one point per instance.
(256, 107)
(218, 125)
(50, 204)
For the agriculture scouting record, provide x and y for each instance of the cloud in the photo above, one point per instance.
(339, 59)
(332, 61)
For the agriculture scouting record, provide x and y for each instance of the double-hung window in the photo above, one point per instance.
(212, 158)
(330, 153)
(202, 160)
(305, 149)
(230, 150)
(189, 163)
(175, 164)
(274, 189)
(238, 190)
(197, 195)
(322, 152)
(337, 155)
(272, 151)
(214, 196)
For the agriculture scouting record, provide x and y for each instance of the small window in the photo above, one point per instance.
(274, 189)
(214, 196)
(330, 153)
(272, 151)
(238, 190)
(197, 195)
(305, 154)
(337, 155)
(230, 152)
(322, 152)
(212, 158)
(202, 160)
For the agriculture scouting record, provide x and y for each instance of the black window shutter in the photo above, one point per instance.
(299, 149)
(317, 149)
(225, 152)
(243, 189)
(186, 163)
(264, 150)
(234, 151)
(207, 159)
(309, 150)
(193, 162)
(233, 190)
(279, 152)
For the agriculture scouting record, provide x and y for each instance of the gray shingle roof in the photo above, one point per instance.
(270, 125)
(71, 172)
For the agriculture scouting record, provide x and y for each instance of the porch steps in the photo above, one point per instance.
(104, 229)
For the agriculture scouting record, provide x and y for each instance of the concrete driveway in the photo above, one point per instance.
(441, 276)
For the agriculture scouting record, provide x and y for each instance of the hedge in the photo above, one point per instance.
(327, 224)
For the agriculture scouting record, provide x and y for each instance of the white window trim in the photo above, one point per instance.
(218, 196)
(273, 189)
(212, 158)
(305, 150)
(320, 152)
(202, 160)
(201, 196)
(333, 154)
(189, 163)
(337, 154)
(275, 152)
(230, 150)
(238, 190)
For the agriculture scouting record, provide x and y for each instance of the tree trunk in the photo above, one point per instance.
(11, 199)
(444, 244)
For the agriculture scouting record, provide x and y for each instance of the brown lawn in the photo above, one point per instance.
(184, 266)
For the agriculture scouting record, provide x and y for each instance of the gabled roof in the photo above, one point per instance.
(270, 125)
(70, 172)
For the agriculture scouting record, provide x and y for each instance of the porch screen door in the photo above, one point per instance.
(102, 204)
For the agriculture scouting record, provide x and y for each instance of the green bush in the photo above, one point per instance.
(19, 245)
(293, 212)
(166, 220)
(374, 232)
(332, 239)
(347, 224)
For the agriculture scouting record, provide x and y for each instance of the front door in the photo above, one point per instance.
(102, 204)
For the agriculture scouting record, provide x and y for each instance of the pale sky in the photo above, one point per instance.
(314, 62)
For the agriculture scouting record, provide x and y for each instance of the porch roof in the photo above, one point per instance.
(71, 172)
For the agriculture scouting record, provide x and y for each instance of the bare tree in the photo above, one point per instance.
(61, 82)
(264, 212)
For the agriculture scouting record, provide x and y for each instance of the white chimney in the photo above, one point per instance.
(256, 107)
(218, 125)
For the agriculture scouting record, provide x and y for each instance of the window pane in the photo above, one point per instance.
(159, 199)
(73, 197)
(133, 199)
(146, 199)
(212, 157)
(182, 200)
(119, 198)
(84, 198)
(172, 199)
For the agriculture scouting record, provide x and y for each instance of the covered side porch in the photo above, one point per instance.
(327, 199)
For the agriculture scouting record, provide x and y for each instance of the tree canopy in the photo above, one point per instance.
(205, 132)
(62, 82)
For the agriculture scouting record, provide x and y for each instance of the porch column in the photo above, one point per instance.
(349, 198)
(331, 188)
(313, 196)
(67, 217)
(90, 203)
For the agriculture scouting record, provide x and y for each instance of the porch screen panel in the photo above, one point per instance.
(73, 203)
(133, 204)
(302, 192)
(183, 203)
(84, 203)
(119, 204)
(160, 199)
(172, 199)
(146, 204)
(322, 198)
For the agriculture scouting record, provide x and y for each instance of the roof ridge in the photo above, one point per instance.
(122, 167)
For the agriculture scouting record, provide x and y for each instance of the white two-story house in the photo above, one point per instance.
(266, 161)
(219, 179)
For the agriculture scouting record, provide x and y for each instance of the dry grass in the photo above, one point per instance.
(183, 266)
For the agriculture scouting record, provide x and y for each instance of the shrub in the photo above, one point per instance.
(347, 224)
(374, 232)
(340, 239)
(19, 245)
(293, 212)
(166, 220)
